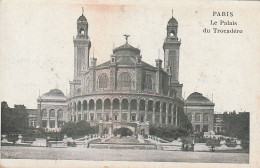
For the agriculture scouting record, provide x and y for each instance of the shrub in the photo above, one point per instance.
(212, 142)
(167, 131)
(201, 140)
(78, 129)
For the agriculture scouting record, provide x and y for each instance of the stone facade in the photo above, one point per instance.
(125, 89)
(219, 125)
(200, 111)
(52, 110)
(121, 92)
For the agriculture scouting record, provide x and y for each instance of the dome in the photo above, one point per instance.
(54, 94)
(82, 18)
(126, 50)
(197, 99)
(172, 21)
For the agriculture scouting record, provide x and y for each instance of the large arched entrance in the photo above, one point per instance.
(123, 131)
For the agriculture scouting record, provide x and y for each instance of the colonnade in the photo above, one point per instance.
(124, 109)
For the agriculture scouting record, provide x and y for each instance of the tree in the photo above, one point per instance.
(14, 120)
(168, 132)
(237, 125)
(80, 128)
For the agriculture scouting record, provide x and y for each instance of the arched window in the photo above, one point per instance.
(157, 107)
(99, 104)
(116, 104)
(142, 105)
(164, 108)
(133, 104)
(150, 105)
(149, 82)
(79, 106)
(205, 117)
(91, 105)
(60, 114)
(124, 104)
(44, 113)
(52, 113)
(74, 106)
(170, 109)
(81, 31)
(107, 104)
(103, 81)
(85, 104)
(172, 34)
(197, 117)
(124, 80)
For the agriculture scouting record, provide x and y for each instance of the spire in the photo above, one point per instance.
(126, 37)
(93, 53)
(82, 10)
(172, 13)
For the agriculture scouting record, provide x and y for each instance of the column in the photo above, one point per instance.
(129, 112)
(103, 111)
(154, 113)
(69, 113)
(82, 114)
(176, 116)
(77, 117)
(193, 121)
(120, 110)
(146, 110)
(56, 119)
(72, 113)
(95, 110)
(161, 106)
(48, 118)
(111, 110)
(201, 121)
(172, 115)
(167, 114)
(137, 110)
(88, 113)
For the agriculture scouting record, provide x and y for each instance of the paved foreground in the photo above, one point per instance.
(120, 155)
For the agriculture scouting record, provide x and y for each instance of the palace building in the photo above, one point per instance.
(121, 92)
(200, 112)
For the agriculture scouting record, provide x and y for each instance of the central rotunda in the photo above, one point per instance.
(125, 91)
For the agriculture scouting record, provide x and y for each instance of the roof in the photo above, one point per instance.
(197, 98)
(126, 61)
(32, 111)
(54, 94)
(82, 18)
(172, 21)
(126, 47)
(126, 55)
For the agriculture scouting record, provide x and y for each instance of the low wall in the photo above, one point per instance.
(122, 146)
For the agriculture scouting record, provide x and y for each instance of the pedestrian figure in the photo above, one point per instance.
(213, 148)
(187, 147)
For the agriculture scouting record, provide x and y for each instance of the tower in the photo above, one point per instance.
(82, 46)
(171, 49)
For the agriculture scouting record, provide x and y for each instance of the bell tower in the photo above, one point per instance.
(82, 46)
(171, 49)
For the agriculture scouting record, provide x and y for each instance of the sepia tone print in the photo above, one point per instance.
(124, 108)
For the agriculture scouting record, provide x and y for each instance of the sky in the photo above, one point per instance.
(37, 46)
